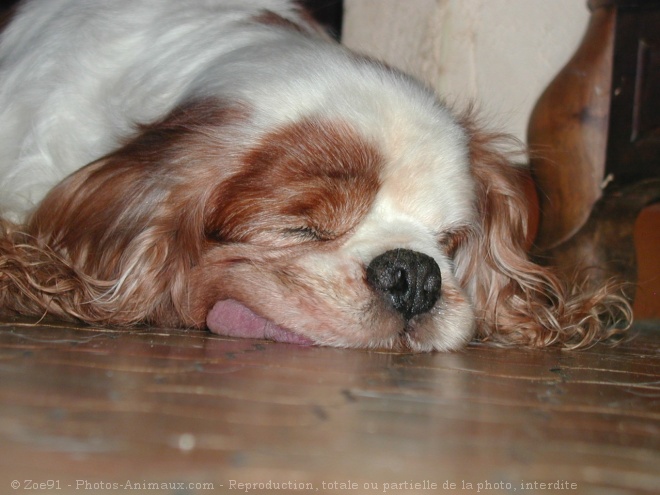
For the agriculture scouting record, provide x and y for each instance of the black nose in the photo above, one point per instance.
(409, 281)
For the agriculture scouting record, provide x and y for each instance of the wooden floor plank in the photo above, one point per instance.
(94, 405)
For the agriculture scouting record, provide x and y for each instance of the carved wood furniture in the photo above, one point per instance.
(595, 141)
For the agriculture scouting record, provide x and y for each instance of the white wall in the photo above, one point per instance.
(499, 53)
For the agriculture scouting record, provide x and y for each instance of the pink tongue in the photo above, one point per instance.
(231, 318)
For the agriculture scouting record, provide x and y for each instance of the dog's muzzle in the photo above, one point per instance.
(409, 281)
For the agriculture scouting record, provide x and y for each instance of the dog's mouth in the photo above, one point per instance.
(233, 319)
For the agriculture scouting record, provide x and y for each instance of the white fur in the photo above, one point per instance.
(76, 76)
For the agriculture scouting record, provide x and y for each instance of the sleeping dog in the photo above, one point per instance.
(224, 163)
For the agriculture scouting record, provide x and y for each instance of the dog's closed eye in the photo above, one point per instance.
(308, 233)
(453, 239)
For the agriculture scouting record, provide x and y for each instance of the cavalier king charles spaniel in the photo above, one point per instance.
(225, 164)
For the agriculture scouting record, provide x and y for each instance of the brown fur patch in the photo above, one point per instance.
(518, 301)
(113, 243)
(311, 180)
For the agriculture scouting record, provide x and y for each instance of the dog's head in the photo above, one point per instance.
(346, 235)
(362, 215)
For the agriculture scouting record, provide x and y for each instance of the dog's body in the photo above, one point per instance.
(247, 173)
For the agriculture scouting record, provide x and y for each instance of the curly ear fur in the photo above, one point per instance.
(114, 242)
(80, 256)
(518, 301)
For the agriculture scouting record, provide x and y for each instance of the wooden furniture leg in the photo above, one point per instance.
(595, 143)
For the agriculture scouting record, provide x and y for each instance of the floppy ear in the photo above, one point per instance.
(114, 242)
(518, 301)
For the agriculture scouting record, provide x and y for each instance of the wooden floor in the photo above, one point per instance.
(92, 407)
